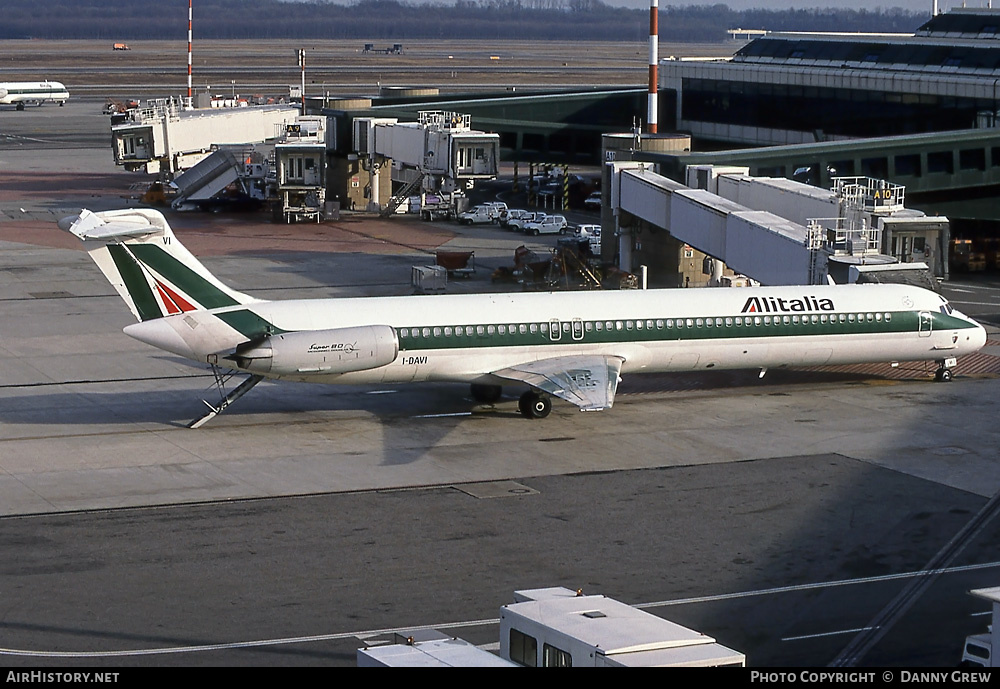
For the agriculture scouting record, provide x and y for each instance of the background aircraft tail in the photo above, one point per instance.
(152, 271)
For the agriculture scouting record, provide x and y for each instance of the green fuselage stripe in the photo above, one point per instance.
(897, 322)
(136, 284)
(249, 324)
(196, 287)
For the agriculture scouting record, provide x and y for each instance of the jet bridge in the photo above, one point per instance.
(438, 156)
(776, 231)
(163, 138)
(759, 244)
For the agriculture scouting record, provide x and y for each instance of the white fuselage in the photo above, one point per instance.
(13, 92)
(467, 337)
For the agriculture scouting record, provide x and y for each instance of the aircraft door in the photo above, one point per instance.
(926, 323)
(577, 329)
(555, 330)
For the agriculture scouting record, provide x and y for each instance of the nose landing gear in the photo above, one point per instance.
(944, 373)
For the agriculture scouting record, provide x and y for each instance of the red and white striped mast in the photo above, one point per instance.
(189, 103)
(654, 33)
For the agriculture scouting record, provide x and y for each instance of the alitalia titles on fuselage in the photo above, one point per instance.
(781, 305)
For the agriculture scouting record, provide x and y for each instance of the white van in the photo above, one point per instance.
(477, 215)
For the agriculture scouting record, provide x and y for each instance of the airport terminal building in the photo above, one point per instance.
(794, 88)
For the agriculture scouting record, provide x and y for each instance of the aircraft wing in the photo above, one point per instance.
(589, 382)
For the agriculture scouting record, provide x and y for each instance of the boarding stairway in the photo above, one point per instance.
(400, 196)
(210, 176)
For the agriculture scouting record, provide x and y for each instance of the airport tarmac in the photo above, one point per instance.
(785, 516)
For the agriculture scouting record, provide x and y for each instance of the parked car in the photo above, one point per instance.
(592, 233)
(519, 223)
(508, 215)
(550, 224)
(498, 208)
(593, 202)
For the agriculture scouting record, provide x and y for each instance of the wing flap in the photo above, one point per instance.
(589, 382)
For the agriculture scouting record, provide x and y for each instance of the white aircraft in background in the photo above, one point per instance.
(573, 345)
(21, 93)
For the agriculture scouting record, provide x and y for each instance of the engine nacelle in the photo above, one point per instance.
(340, 350)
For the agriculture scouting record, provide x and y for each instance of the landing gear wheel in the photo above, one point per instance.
(534, 406)
(486, 394)
(943, 375)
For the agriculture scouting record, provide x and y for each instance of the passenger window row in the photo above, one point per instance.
(756, 320)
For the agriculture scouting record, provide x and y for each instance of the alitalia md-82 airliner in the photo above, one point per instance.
(571, 345)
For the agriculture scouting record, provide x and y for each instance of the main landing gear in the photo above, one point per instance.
(532, 405)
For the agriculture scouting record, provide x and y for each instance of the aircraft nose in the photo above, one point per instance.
(975, 338)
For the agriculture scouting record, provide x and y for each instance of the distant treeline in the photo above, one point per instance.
(392, 19)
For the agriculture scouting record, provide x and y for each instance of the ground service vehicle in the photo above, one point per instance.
(518, 224)
(477, 215)
(977, 651)
(591, 233)
(550, 224)
(508, 216)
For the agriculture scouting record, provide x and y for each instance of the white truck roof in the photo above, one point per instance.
(601, 631)
(436, 653)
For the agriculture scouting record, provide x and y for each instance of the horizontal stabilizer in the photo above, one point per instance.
(146, 264)
(113, 225)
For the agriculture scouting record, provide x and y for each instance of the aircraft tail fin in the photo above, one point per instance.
(152, 271)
